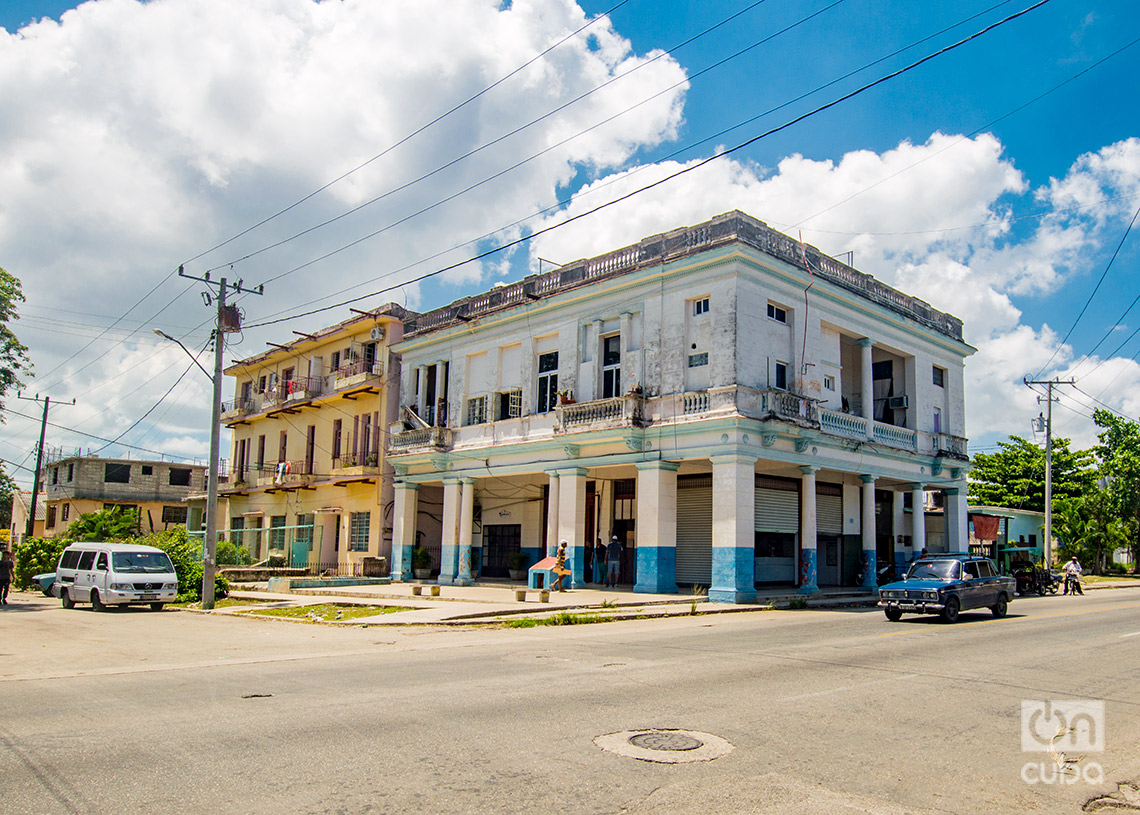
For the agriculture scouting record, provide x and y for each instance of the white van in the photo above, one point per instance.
(115, 574)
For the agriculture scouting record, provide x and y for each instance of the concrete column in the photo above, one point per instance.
(809, 536)
(734, 529)
(866, 371)
(403, 529)
(917, 519)
(628, 369)
(898, 515)
(957, 529)
(870, 561)
(552, 516)
(449, 549)
(656, 527)
(572, 521)
(466, 523)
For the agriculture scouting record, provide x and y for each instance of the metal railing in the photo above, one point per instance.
(430, 438)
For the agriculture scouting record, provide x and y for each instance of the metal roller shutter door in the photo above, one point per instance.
(694, 535)
(777, 511)
(829, 514)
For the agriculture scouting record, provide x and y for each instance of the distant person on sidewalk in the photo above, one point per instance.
(599, 562)
(7, 567)
(613, 562)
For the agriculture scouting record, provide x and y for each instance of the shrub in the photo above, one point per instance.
(36, 556)
(186, 555)
(230, 554)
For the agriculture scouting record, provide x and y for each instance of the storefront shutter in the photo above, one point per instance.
(829, 509)
(777, 505)
(694, 530)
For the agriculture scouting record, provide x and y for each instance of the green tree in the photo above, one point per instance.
(8, 490)
(37, 556)
(1119, 453)
(1087, 526)
(113, 524)
(186, 555)
(1015, 475)
(13, 355)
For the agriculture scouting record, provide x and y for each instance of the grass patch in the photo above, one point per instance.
(326, 612)
(797, 603)
(222, 602)
(1106, 578)
(561, 618)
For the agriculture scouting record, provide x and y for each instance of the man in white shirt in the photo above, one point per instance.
(1073, 567)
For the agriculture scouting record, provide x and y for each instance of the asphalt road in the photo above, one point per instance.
(829, 711)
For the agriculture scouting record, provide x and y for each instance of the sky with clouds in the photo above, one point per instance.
(996, 181)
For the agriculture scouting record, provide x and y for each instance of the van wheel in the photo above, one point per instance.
(65, 598)
(96, 603)
(156, 606)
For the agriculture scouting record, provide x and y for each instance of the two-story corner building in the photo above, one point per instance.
(738, 410)
(79, 484)
(307, 476)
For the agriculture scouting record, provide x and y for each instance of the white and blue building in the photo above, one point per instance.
(740, 411)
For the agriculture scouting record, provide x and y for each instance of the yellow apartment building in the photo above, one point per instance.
(308, 482)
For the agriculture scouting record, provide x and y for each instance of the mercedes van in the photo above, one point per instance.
(115, 574)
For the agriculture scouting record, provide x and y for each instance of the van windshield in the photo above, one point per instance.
(141, 562)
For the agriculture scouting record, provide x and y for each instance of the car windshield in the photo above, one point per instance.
(938, 569)
(141, 562)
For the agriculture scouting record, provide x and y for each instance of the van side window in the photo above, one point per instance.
(85, 560)
(70, 559)
(102, 564)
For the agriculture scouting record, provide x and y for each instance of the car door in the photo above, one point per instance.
(974, 588)
(84, 576)
(99, 577)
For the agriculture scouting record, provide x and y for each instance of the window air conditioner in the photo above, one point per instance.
(898, 402)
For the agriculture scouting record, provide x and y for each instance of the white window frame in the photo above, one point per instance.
(611, 374)
(784, 368)
(359, 523)
(699, 360)
(777, 313)
(935, 376)
(828, 382)
(700, 306)
(550, 386)
(476, 410)
(514, 403)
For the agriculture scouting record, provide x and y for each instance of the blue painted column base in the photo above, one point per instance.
(656, 570)
(870, 570)
(464, 577)
(401, 563)
(808, 573)
(448, 559)
(731, 596)
(577, 563)
(733, 575)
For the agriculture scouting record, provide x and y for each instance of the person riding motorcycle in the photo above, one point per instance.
(1073, 572)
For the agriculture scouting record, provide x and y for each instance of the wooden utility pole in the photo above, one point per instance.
(29, 528)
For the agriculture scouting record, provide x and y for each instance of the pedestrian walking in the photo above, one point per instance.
(613, 562)
(560, 567)
(599, 562)
(7, 567)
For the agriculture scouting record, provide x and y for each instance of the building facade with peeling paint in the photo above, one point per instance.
(737, 409)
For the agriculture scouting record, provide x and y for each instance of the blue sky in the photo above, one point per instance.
(142, 135)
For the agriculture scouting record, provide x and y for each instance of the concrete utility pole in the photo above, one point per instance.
(1049, 384)
(227, 320)
(31, 524)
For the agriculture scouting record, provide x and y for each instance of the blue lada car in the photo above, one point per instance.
(946, 585)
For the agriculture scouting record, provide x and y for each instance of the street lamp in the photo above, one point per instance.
(209, 541)
(166, 336)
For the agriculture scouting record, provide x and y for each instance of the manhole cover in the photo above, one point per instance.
(664, 745)
(665, 741)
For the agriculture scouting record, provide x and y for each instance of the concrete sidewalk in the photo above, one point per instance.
(490, 602)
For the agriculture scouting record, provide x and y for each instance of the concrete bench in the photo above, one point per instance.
(543, 595)
(417, 590)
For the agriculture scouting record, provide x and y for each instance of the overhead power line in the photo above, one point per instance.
(683, 171)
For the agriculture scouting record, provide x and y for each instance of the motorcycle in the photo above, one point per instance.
(1054, 582)
(1073, 583)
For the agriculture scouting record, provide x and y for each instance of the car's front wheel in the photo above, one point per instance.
(950, 612)
(65, 598)
(96, 603)
(156, 606)
(894, 614)
(1001, 606)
